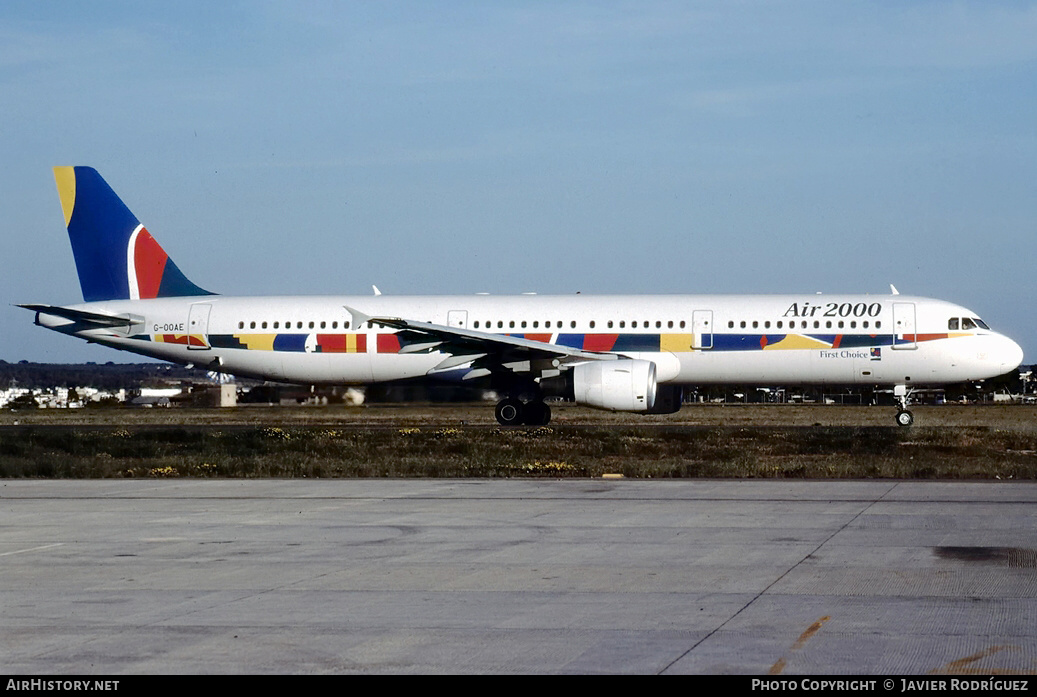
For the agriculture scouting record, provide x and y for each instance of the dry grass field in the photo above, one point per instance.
(773, 441)
(1012, 417)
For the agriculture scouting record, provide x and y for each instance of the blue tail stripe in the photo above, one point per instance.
(99, 230)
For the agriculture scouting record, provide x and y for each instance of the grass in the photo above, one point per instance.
(296, 449)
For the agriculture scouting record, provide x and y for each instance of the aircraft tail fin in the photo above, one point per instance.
(116, 257)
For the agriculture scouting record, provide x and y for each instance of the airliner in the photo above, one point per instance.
(624, 353)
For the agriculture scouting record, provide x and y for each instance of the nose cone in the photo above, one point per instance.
(1009, 353)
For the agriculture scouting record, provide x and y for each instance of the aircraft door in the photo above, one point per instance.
(198, 326)
(904, 326)
(702, 326)
(457, 318)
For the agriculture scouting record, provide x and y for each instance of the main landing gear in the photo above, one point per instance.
(904, 416)
(514, 412)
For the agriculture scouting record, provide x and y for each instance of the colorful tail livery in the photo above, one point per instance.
(116, 257)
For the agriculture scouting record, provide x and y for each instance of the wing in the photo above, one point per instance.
(485, 352)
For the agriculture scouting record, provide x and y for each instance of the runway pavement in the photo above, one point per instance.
(517, 576)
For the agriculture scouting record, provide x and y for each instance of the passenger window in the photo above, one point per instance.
(251, 325)
(592, 324)
(730, 324)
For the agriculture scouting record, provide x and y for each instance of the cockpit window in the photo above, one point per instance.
(952, 323)
(981, 323)
(967, 323)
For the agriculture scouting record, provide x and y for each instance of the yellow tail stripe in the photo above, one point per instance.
(65, 178)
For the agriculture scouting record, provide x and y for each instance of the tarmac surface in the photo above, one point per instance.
(517, 576)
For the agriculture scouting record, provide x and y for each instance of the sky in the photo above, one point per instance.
(503, 147)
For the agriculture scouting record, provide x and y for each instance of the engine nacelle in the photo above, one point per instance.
(622, 385)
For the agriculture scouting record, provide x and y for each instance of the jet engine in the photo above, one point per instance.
(622, 385)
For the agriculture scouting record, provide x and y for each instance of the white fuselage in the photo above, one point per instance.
(692, 339)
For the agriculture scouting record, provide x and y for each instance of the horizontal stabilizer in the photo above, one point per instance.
(85, 317)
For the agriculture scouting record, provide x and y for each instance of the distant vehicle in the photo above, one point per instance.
(617, 352)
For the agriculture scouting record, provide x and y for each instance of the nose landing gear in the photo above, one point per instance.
(904, 416)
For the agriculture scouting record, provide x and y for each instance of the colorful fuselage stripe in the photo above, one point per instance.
(676, 343)
(185, 339)
(311, 343)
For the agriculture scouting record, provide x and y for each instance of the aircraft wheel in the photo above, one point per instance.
(905, 418)
(536, 413)
(509, 412)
